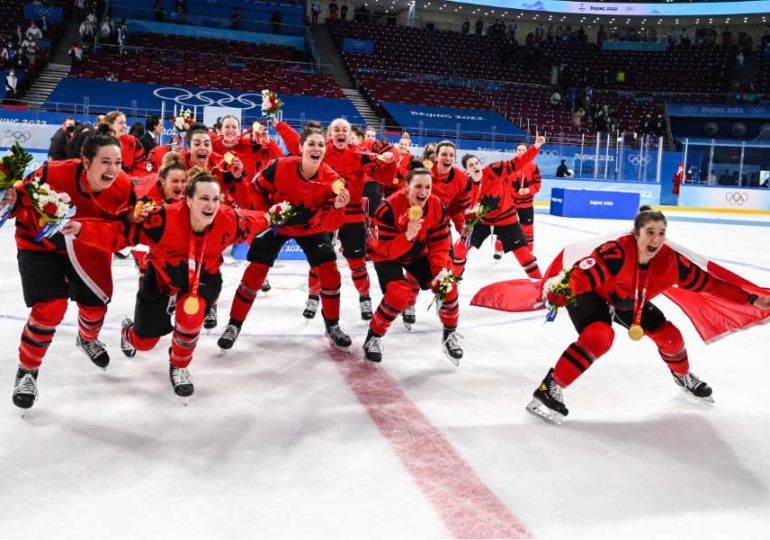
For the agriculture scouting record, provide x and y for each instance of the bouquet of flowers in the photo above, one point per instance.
(279, 214)
(557, 293)
(474, 216)
(54, 208)
(271, 104)
(446, 282)
(12, 169)
(182, 119)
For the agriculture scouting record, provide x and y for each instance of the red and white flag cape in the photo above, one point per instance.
(712, 317)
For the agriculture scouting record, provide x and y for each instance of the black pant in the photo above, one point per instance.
(373, 192)
(46, 275)
(590, 308)
(353, 239)
(388, 271)
(318, 248)
(511, 236)
(153, 310)
(526, 215)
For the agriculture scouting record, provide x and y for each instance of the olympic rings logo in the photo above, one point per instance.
(20, 136)
(42, 11)
(549, 153)
(636, 160)
(206, 98)
(738, 198)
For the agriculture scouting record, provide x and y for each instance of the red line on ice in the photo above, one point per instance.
(468, 508)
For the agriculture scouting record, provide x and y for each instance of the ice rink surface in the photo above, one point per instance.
(288, 438)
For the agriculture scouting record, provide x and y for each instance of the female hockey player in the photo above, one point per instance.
(616, 283)
(185, 241)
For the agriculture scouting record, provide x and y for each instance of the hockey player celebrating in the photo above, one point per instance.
(616, 283)
(413, 237)
(318, 198)
(185, 241)
(52, 270)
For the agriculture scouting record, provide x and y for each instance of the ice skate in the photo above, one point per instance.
(450, 343)
(266, 286)
(94, 350)
(181, 382)
(25, 388)
(125, 345)
(311, 306)
(498, 254)
(693, 386)
(373, 350)
(365, 303)
(337, 337)
(210, 320)
(227, 340)
(547, 402)
(409, 317)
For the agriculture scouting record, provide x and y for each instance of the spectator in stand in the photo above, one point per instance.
(29, 48)
(33, 32)
(86, 32)
(107, 31)
(7, 54)
(344, 12)
(122, 32)
(562, 171)
(153, 128)
(75, 53)
(11, 86)
(479, 26)
(275, 19)
(58, 148)
(19, 36)
(660, 126)
(315, 11)
(334, 10)
(466, 26)
(235, 19)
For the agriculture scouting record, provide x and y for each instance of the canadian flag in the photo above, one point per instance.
(713, 317)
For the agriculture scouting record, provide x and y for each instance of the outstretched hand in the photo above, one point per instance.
(762, 302)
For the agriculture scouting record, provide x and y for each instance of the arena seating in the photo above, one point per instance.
(153, 58)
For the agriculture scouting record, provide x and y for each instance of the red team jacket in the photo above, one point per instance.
(255, 157)
(312, 198)
(167, 233)
(433, 240)
(498, 191)
(134, 156)
(611, 272)
(528, 176)
(353, 165)
(454, 190)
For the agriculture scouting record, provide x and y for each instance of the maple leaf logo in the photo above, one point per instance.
(493, 203)
(302, 215)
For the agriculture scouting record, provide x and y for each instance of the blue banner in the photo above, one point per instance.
(694, 9)
(38, 11)
(137, 25)
(645, 46)
(443, 121)
(648, 193)
(718, 111)
(584, 203)
(103, 96)
(364, 46)
(725, 197)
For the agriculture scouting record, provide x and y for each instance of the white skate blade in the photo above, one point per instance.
(693, 397)
(407, 325)
(374, 366)
(454, 361)
(183, 400)
(537, 408)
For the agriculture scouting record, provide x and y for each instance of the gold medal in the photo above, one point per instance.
(138, 209)
(395, 181)
(415, 212)
(428, 164)
(521, 191)
(191, 305)
(636, 332)
(337, 186)
(229, 158)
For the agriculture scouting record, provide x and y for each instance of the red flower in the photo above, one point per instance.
(50, 209)
(273, 102)
(556, 299)
(3, 169)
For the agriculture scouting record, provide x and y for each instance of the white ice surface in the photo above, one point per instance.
(275, 443)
